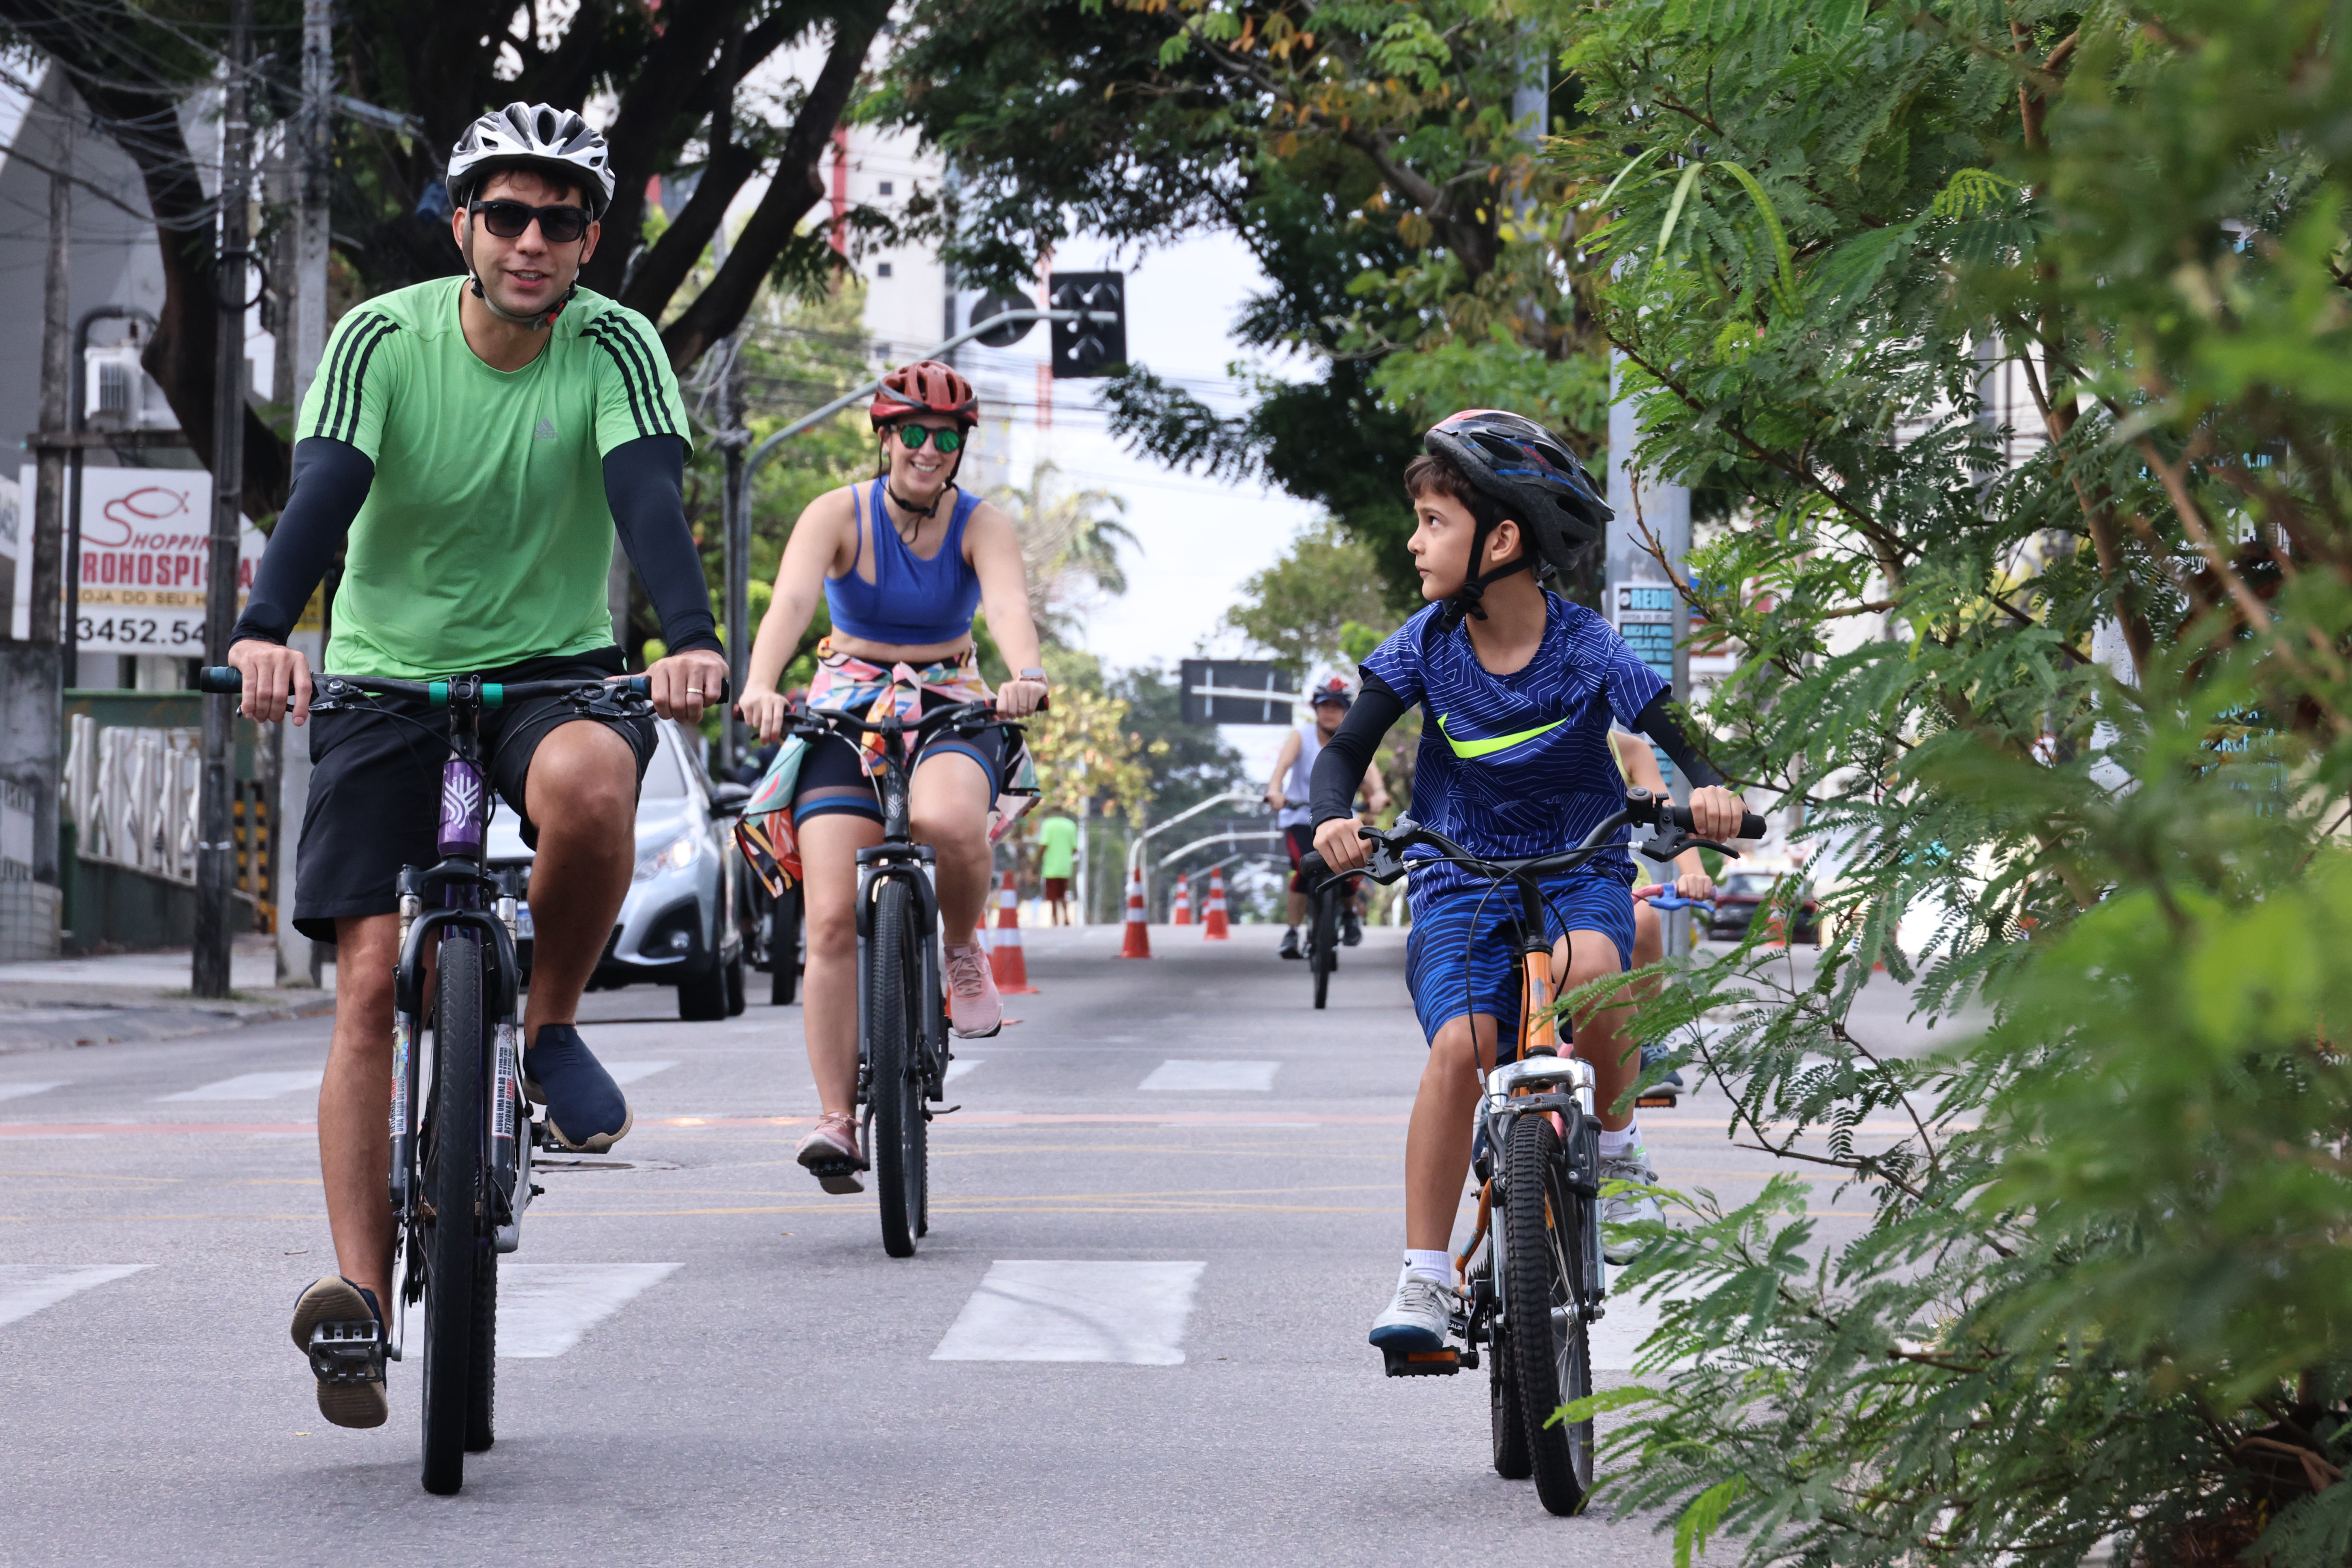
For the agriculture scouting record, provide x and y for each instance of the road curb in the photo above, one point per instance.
(139, 1022)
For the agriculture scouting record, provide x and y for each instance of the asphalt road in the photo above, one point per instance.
(1161, 1222)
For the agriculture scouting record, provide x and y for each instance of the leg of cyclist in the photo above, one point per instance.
(1437, 1161)
(354, 1136)
(581, 796)
(830, 841)
(1603, 1041)
(947, 808)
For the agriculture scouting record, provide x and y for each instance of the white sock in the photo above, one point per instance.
(1616, 1145)
(1434, 1267)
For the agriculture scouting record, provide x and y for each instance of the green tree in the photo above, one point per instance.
(1188, 762)
(1320, 604)
(1374, 156)
(2105, 731)
(1069, 544)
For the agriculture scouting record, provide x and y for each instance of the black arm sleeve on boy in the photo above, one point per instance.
(1340, 770)
(645, 485)
(331, 479)
(1656, 721)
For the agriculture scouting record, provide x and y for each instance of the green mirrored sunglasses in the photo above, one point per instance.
(947, 441)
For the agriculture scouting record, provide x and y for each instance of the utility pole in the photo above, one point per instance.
(738, 552)
(216, 845)
(311, 150)
(32, 671)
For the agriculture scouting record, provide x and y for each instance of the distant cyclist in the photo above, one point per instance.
(1516, 686)
(1286, 792)
(474, 442)
(901, 561)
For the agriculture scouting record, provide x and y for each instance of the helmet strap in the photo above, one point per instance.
(540, 323)
(1466, 600)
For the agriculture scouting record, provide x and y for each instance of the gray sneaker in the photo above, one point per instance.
(1418, 1317)
(1626, 1207)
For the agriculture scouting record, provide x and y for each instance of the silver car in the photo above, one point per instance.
(678, 925)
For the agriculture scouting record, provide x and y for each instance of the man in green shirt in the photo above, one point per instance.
(474, 444)
(1057, 843)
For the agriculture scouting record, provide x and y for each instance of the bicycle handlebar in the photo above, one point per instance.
(1662, 897)
(227, 680)
(978, 714)
(1387, 862)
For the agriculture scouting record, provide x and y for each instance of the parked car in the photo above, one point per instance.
(678, 925)
(1739, 895)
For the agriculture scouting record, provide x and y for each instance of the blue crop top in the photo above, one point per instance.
(911, 601)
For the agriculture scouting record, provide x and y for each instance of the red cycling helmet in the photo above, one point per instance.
(927, 386)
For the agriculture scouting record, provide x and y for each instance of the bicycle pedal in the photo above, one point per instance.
(1657, 1099)
(930, 1115)
(347, 1351)
(1423, 1363)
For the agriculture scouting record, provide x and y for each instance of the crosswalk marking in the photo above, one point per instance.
(27, 1287)
(1192, 1077)
(19, 1090)
(250, 1086)
(544, 1307)
(1053, 1309)
(962, 1066)
(629, 1072)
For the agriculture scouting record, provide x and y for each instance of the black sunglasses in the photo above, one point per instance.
(561, 226)
(947, 441)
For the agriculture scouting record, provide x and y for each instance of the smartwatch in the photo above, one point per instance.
(1037, 675)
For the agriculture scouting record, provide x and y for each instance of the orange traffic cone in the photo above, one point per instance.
(1139, 934)
(1005, 963)
(1183, 916)
(1212, 923)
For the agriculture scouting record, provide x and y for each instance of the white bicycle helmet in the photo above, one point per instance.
(532, 135)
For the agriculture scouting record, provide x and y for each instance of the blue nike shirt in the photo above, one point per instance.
(1515, 765)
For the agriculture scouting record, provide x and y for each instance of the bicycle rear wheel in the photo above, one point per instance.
(452, 1197)
(1323, 943)
(1545, 1336)
(894, 1014)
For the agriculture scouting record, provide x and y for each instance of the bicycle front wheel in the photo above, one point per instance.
(785, 948)
(894, 1014)
(1323, 944)
(1545, 1336)
(452, 1203)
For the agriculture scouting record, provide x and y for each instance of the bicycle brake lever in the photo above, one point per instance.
(1673, 842)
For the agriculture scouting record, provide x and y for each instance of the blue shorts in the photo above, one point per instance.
(1463, 958)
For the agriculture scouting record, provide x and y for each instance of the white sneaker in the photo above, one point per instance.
(1626, 1207)
(1418, 1317)
(973, 1006)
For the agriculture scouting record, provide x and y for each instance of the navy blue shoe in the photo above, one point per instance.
(585, 1109)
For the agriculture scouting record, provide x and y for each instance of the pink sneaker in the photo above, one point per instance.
(973, 1006)
(830, 1152)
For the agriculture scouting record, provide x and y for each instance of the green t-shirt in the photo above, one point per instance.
(486, 538)
(1059, 835)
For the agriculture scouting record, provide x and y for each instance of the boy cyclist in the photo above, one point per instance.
(1517, 686)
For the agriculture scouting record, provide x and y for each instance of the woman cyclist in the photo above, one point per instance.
(902, 562)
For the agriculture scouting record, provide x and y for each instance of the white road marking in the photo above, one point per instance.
(19, 1090)
(1047, 1310)
(544, 1307)
(629, 1072)
(962, 1066)
(1192, 1077)
(27, 1287)
(250, 1086)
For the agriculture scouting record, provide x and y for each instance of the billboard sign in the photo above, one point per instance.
(145, 551)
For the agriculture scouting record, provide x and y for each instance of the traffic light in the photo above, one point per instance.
(1088, 349)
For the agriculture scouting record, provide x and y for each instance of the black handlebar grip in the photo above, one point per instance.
(1313, 864)
(1750, 824)
(220, 679)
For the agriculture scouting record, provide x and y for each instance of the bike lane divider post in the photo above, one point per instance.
(1007, 966)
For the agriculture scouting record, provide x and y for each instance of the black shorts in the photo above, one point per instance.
(375, 786)
(1298, 838)
(833, 778)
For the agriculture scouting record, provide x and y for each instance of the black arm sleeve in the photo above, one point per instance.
(644, 484)
(1340, 770)
(1656, 721)
(331, 479)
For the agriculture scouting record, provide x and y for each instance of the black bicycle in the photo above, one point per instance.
(1533, 1281)
(462, 1132)
(902, 1016)
(1328, 900)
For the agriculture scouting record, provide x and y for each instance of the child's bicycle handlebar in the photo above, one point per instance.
(1387, 863)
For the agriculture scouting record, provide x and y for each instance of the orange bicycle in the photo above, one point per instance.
(1531, 1281)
